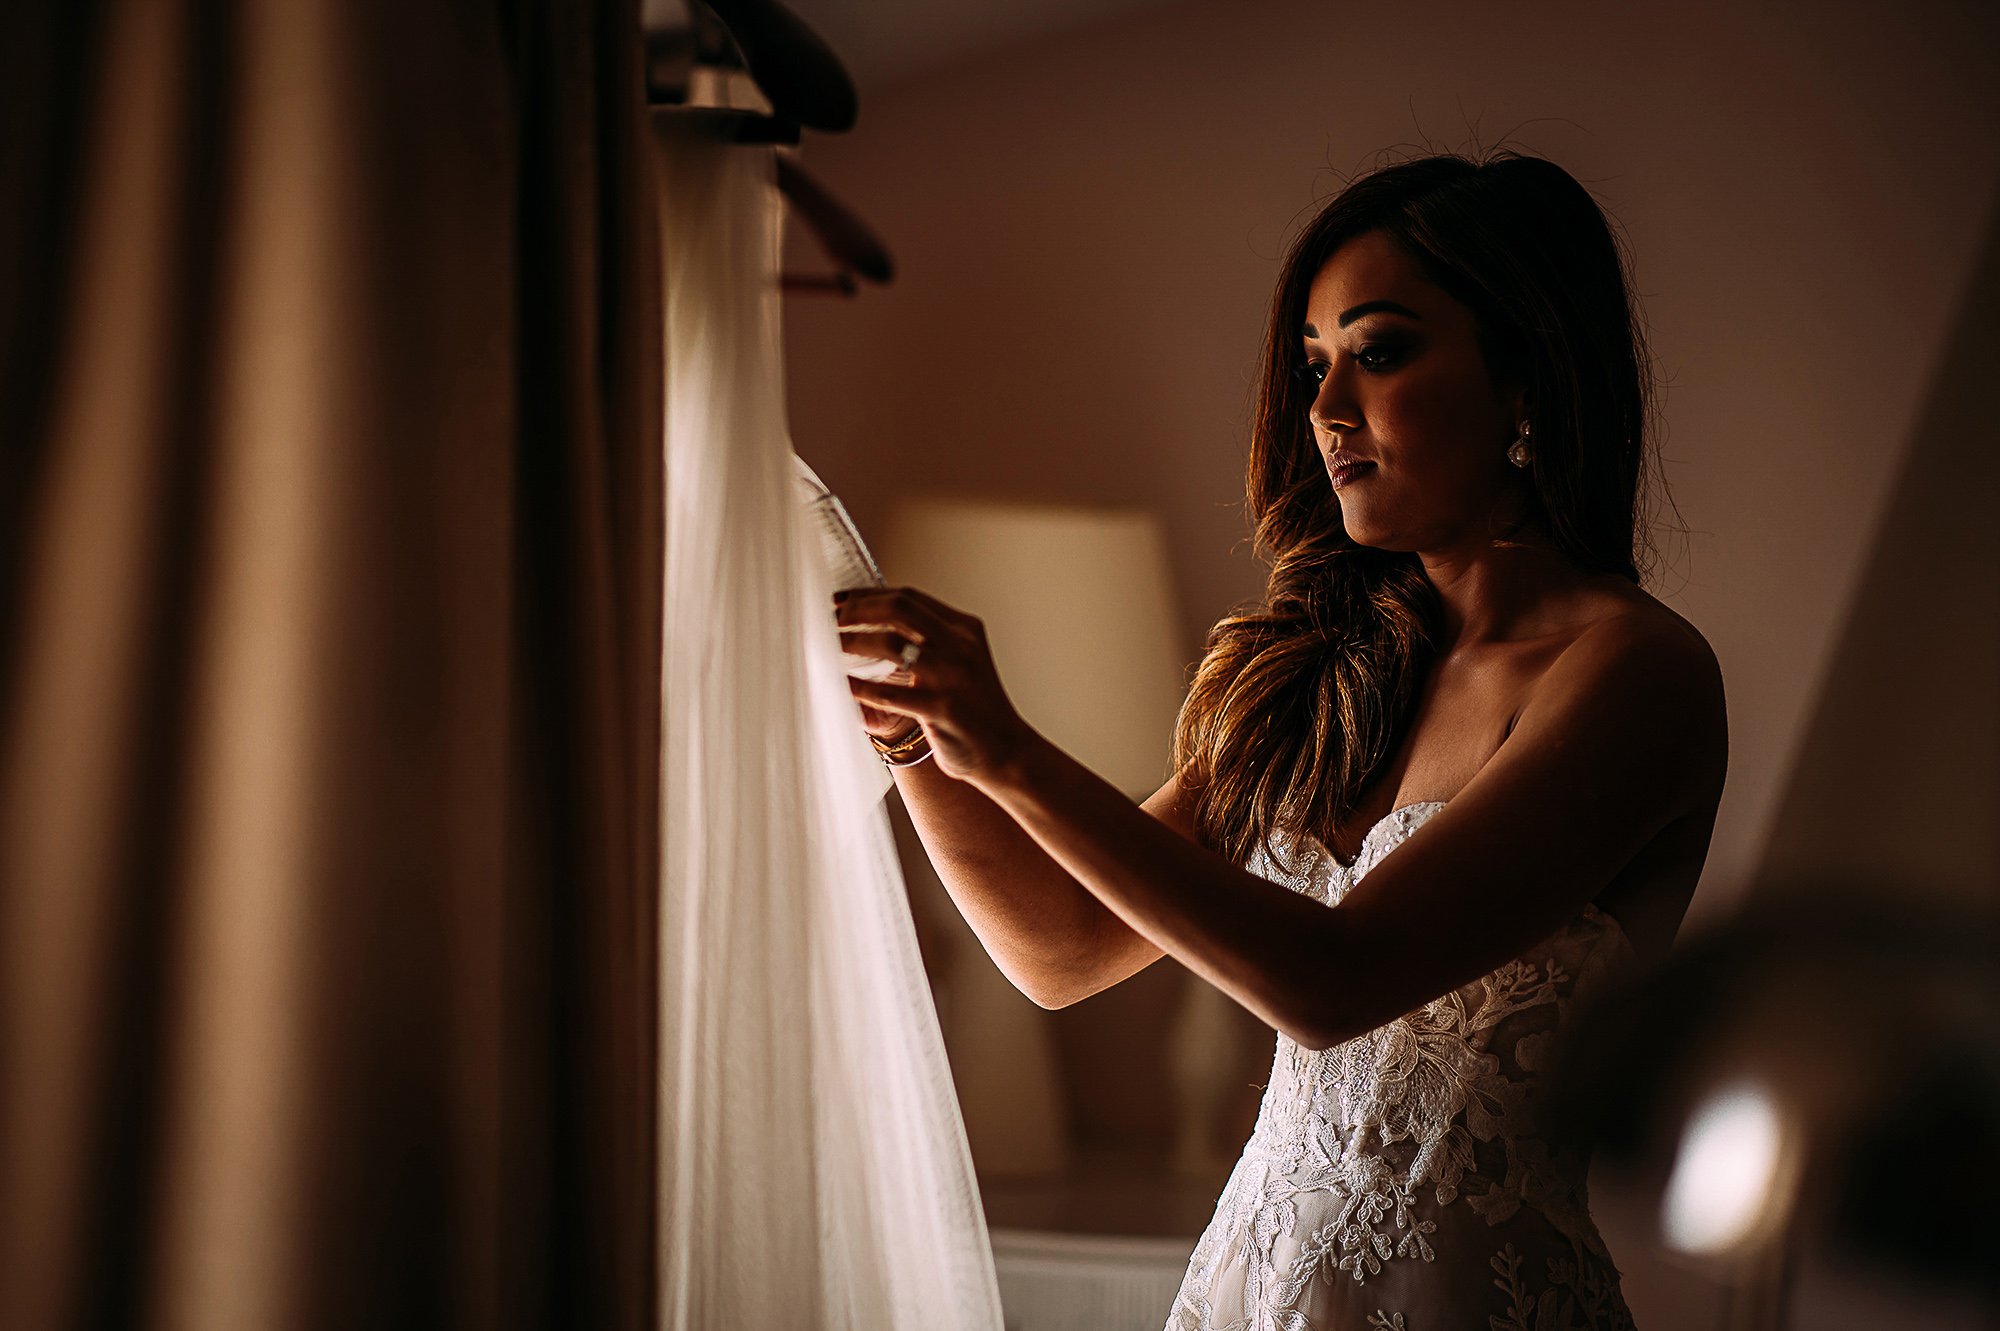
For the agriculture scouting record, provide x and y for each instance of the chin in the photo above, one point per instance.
(1361, 532)
(1364, 526)
(1376, 539)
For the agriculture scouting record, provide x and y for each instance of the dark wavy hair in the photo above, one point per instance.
(1298, 703)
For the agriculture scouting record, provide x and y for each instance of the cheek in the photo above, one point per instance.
(1431, 422)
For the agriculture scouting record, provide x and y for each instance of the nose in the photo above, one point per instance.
(1333, 407)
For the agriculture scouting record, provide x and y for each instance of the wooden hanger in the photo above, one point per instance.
(846, 239)
(797, 71)
(806, 86)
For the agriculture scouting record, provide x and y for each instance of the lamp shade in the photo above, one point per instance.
(1080, 613)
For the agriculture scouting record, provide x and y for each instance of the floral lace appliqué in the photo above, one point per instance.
(1360, 1149)
(1579, 1296)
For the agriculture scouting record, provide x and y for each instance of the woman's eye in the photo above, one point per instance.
(1375, 356)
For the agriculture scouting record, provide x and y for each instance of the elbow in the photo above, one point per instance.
(1312, 1038)
(1317, 1008)
(1059, 991)
(1316, 1026)
(1048, 988)
(1056, 978)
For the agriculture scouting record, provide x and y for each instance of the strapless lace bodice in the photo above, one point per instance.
(1400, 1181)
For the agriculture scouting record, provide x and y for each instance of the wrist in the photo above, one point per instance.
(906, 749)
(1017, 770)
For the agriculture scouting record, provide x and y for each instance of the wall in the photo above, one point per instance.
(1087, 231)
(1898, 777)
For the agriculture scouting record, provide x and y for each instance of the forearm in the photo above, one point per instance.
(1041, 927)
(1267, 947)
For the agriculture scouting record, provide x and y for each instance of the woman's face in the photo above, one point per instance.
(1404, 391)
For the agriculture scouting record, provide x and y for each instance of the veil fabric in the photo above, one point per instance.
(815, 1171)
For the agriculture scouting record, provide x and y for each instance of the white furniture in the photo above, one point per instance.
(1086, 1282)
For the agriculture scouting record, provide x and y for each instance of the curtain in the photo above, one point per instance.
(330, 557)
(814, 1166)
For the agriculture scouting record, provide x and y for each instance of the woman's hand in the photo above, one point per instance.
(951, 688)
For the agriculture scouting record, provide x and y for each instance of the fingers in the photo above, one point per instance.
(871, 643)
(910, 612)
(901, 699)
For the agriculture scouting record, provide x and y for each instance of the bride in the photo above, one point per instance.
(1457, 771)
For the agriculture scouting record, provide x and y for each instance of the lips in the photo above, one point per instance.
(1345, 468)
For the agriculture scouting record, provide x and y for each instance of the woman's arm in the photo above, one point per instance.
(1048, 935)
(1622, 737)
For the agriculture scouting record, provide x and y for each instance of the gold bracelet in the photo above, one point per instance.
(908, 751)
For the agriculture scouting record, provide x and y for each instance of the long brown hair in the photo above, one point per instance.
(1299, 702)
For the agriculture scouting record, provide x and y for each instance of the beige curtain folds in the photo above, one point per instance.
(330, 553)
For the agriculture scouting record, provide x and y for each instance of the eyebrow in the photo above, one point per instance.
(1348, 316)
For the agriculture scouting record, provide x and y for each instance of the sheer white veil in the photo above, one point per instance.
(814, 1165)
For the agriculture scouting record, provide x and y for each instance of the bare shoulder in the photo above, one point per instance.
(1643, 631)
(1641, 669)
(1633, 622)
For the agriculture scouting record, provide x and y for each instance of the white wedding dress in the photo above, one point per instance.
(1398, 1181)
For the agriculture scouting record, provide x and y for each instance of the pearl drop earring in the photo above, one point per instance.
(1519, 453)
